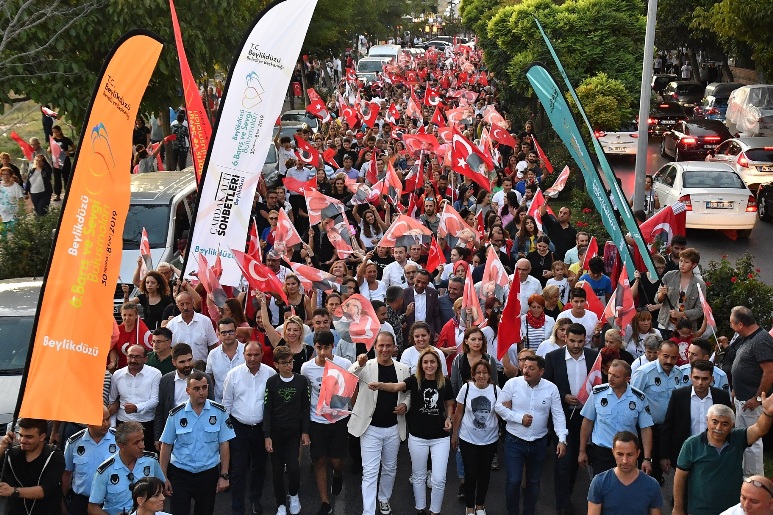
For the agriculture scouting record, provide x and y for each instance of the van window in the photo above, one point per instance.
(370, 66)
(154, 218)
(15, 334)
(182, 217)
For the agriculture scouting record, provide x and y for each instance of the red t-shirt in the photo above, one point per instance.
(140, 335)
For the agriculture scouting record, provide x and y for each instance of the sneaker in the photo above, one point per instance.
(325, 509)
(338, 484)
(281, 510)
(384, 508)
(481, 511)
(460, 493)
(57, 198)
(429, 479)
(494, 466)
(421, 512)
(295, 505)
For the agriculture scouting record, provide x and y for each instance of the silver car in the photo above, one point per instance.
(752, 158)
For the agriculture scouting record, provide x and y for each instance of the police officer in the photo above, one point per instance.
(83, 453)
(111, 489)
(658, 379)
(194, 449)
(701, 349)
(614, 407)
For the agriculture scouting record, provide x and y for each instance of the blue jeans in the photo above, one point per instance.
(518, 453)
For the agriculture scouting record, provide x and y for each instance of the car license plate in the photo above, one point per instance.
(709, 146)
(667, 122)
(766, 168)
(719, 205)
(618, 149)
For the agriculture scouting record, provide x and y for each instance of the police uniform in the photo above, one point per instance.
(194, 465)
(82, 457)
(113, 481)
(610, 416)
(720, 377)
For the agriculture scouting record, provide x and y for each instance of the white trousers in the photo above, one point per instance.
(378, 447)
(420, 448)
(752, 456)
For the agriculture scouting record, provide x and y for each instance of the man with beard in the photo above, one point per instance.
(430, 218)
(171, 388)
(559, 229)
(572, 255)
(192, 328)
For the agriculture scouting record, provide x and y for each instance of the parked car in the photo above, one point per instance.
(661, 80)
(687, 93)
(437, 44)
(751, 158)
(713, 193)
(750, 111)
(721, 89)
(663, 116)
(300, 116)
(765, 202)
(620, 142)
(368, 68)
(693, 139)
(711, 108)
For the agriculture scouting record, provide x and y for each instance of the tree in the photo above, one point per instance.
(605, 101)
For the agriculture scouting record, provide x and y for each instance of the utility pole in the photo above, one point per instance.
(644, 106)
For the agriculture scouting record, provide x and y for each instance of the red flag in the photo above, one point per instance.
(306, 153)
(468, 160)
(405, 228)
(665, 224)
(559, 185)
(593, 379)
(253, 247)
(510, 322)
(346, 113)
(340, 236)
(706, 309)
(329, 157)
(296, 186)
(501, 135)
(420, 142)
(336, 392)
(358, 322)
(483, 79)
(209, 281)
(368, 112)
(392, 114)
(313, 278)
(317, 107)
(591, 252)
(491, 116)
(536, 203)
(26, 148)
(481, 226)
(198, 123)
(147, 259)
(545, 161)
(321, 207)
(351, 75)
(451, 222)
(413, 110)
(414, 179)
(431, 96)
(621, 307)
(436, 257)
(259, 276)
(286, 235)
(593, 302)
(471, 301)
(393, 181)
(494, 271)
(48, 112)
(56, 152)
(437, 118)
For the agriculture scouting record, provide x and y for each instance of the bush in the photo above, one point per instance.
(586, 217)
(729, 286)
(26, 252)
(605, 101)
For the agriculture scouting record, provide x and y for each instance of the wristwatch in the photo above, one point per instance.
(226, 476)
(759, 399)
(15, 492)
(648, 459)
(561, 441)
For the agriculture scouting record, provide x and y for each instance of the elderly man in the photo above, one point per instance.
(709, 470)
(756, 497)
(529, 285)
(192, 328)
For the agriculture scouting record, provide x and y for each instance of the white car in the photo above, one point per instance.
(752, 158)
(715, 195)
(750, 111)
(622, 143)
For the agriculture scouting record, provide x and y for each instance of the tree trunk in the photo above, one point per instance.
(693, 64)
(724, 69)
(304, 86)
(169, 162)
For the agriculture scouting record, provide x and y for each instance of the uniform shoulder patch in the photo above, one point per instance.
(638, 393)
(600, 388)
(76, 436)
(105, 465)
(150, 454)
(177, 409)
(218, 406)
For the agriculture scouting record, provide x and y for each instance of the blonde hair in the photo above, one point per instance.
(439, 378)
(295, 319)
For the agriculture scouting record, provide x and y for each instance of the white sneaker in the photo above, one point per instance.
(281, 510)
(384, 508)
(429, 479)
(480, 512)
(295, 505)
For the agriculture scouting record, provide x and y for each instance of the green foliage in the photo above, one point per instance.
(605, 101)
(729, 286)
(675, 26)
(585, 216)
(25, 253)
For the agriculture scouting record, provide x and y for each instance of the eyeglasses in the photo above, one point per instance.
(273, 218)
(288, 362)
(228, 331)
(758, 484)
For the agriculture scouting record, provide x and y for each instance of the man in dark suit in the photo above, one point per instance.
(568, 368)
(425, 304)
(686, 414)
(171, 389)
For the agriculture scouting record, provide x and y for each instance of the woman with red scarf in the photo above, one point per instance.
(536, 326)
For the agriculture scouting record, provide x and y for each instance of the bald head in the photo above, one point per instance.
(522, 267)
(757, 496)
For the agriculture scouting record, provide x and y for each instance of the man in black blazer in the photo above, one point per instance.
(686, 415)
(578, 359)
(432, 311)
(182, 358)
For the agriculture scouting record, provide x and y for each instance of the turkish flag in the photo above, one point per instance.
(593, 379)
(312, 278)
(56, 153)
(542, 156)
(286, 235)
(336, 392)
(329, 157)
(469, 160)
(665, 224)
(347, 114)
(392, 114)
(471, 301)
(706, 309)
(405, 231)
(25, 147)
(48, 112)
(492, 116)
(209, 281)
(299, 187)
(253, 246)
(339, 236)
(259, 276)
(368, 112)
(446, 133)
(437, 118)
(147, 259)
(559, 185)
(435, 257)
(306, 153)
(413, 110)
(451, 222)
(593, 302)
(413, 180)
(494, 270)
(621, 307)
(420, 142)
(502, 135)
(593, 251)
(536, 203)
(510, 322)
(357, 321)
(431, 96)
(483, 79)
(351, 75)
(321, 207)
(317, 108)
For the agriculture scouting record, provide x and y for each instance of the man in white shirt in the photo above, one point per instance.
(526, 404)
(579, 315)
(192, 328)
(243, 394)
(134, 392)
(529, 285)
(500, 197)
(394, 274)
(229, 354)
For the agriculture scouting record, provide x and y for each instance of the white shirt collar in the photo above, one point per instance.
(568, 356)
(693, 394)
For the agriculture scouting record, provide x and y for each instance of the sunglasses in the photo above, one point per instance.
(758, 484)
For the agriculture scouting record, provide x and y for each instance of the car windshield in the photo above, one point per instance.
(154, 218)
(15, 334)
(370, 66)
(764, 155)
(761, 97)
(706, 128)
(712, 179)
(300, 118)
(690, 89)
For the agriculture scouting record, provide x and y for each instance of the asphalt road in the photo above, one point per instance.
(712, 245)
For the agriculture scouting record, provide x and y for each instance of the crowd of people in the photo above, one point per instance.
(200, 392)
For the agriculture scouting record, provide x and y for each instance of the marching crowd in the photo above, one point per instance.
(469, 319)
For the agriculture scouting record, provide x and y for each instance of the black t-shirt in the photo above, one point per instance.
(381, 263)
(66, 144)
(140, 135)
(153, 314)
(39, 472)
(563, 239)
(386, 402)
(427, 415)
(540, 264)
